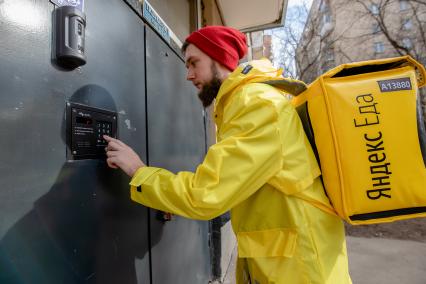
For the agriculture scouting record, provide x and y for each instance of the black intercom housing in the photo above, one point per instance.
(85, 129)
(69, 25)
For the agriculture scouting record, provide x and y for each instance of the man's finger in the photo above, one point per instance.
(114, 146)
(111, 154)
(107, 138)
(111, 164)
(121, 143)
(110, 139)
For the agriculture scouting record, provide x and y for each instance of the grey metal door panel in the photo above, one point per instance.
(68, 221)
(136, 6)
(176, 141)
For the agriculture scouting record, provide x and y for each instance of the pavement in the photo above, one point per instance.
(376, 261)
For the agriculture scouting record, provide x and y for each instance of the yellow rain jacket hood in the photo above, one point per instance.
(262, 168)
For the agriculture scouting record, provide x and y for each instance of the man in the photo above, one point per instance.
(262, 169)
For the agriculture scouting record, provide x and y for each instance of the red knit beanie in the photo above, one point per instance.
(223, 44)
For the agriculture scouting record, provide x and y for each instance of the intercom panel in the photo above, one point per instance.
(85, 129)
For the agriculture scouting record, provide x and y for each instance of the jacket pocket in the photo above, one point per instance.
(267, 243)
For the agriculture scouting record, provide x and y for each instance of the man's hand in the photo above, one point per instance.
(119, 155)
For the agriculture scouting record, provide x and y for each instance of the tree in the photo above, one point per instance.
(316, 49)
(405, 38)
(341, 31)
(286, 39)
(398, 36)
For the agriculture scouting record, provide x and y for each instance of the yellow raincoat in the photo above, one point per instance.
(264, 171)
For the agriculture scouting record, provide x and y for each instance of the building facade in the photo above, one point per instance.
(260, 45)
(341, 31)
(185, 16)
(69, 75)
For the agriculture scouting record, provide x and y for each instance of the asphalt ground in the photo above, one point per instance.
(387, 261)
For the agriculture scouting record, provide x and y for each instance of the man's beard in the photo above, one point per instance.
(210, 90)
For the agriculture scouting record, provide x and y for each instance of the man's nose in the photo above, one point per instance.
(190, 75)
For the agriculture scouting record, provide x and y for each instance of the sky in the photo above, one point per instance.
(293, 19)
(293, 6)
(298, 2)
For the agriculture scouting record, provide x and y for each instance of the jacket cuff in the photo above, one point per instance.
(142, 174)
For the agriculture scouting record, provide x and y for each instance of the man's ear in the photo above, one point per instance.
(222, 71)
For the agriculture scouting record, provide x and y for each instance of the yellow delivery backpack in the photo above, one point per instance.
(369, 136)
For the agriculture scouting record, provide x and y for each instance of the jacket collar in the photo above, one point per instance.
(257, 71)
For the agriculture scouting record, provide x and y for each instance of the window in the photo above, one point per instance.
(406, 42)
(403, 5)
(379, 47)
(407, 24)
(329, 55)
(376, 28)
(327, 61)
(374, 9)
(326, 18)
(324, 6)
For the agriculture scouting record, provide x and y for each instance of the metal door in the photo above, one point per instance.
(68, 221)
(176, 141)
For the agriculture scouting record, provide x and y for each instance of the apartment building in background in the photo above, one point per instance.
(260, 45)
(341, 31)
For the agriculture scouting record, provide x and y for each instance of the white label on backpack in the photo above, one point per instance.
(395, 85)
